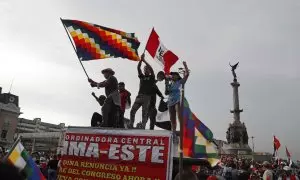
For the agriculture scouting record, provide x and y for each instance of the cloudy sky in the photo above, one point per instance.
(262, 35)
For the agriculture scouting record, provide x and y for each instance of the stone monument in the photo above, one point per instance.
(236, 135)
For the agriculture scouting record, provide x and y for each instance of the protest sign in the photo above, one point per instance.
(90, 153)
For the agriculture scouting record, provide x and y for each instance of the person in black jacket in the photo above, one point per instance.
(111, 106)
(152, 107)
(97, 118)
(147, 89)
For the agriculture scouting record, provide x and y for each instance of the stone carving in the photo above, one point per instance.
(228, 136)
(233, 68)
(236, 137)
(237, 134)
(245, 137)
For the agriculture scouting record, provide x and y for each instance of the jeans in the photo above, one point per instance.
(144, 101)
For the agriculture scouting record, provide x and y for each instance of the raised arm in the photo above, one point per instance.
(97, 99)
(186, 73)
(147, 64)
(94, 95)
(139, 67)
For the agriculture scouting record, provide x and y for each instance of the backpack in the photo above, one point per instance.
(163, 106)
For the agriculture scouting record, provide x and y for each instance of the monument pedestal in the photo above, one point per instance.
(237, 139)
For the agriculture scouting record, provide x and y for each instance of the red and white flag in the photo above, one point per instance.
(276, 144)
(158, 51)
(288, 154)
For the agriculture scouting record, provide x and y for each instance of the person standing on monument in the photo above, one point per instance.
(152, 107)
(147, 83)
(97, 118)
(173, 85)
(125, 99)
(112, 101)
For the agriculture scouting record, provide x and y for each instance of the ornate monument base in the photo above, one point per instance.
(237, 139)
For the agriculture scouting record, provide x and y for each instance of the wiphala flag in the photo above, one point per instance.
(97, 42)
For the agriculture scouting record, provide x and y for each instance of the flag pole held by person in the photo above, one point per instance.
(75, 49)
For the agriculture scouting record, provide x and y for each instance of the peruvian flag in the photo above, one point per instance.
(158, 51)
(276, 144)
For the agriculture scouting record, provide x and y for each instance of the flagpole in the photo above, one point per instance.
(11, 149)
(148, 40)
(181, 131)
(74, 49)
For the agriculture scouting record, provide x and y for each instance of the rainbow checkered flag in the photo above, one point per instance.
(197, 138)
(19, 158)
(204, 149)
(98, 42)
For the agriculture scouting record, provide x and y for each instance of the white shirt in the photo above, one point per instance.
(268, 175)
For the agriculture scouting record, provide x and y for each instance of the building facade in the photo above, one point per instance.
(9, 113)
(40, 136)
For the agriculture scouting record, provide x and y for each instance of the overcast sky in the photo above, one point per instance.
(262, 35)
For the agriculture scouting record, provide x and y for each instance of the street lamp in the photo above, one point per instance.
(252, 137)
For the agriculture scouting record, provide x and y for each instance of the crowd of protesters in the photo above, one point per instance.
(48, 165)
(229, 168)
(233, 168)
(117, 100)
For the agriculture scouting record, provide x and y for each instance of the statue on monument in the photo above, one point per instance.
(233, 68)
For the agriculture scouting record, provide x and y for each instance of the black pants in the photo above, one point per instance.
(152, 116)
(111, 114)
(120, 122)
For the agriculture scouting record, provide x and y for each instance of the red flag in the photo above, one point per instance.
(158, 51)
(288, 154)
(276, 143)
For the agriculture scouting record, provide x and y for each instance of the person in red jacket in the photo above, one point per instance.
(125, 99)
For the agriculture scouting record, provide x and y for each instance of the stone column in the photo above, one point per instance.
(236, 106)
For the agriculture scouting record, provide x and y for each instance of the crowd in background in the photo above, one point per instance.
(48, 164)
(231, 167)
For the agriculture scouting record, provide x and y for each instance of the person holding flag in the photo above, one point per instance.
(147, 89)
(112, 101)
